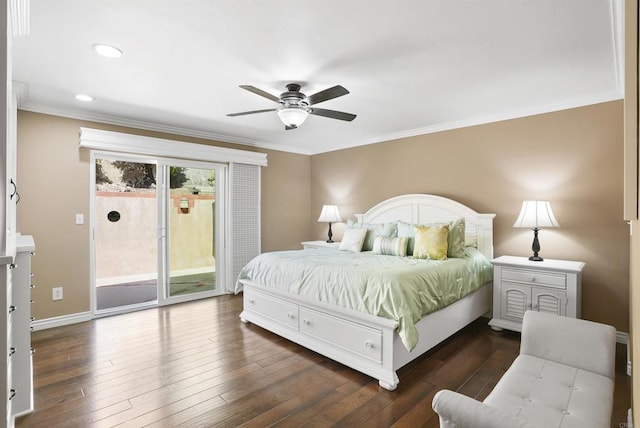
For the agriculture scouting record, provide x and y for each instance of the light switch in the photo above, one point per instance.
(79, 218)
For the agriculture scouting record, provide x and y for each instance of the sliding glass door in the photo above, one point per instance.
(158, 229)
(125, 233)
(194, 220)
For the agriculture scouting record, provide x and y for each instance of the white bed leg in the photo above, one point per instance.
(388, 386)
(496, 328)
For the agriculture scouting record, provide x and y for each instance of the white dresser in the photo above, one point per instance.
(519, 285)
(22, 360)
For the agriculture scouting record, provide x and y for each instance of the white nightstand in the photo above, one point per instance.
(320, 244)
(520, 285)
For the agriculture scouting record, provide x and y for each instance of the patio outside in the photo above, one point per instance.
(127, 233)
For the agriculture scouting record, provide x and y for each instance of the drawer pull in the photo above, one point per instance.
(306, 322)
(13, 266)
(12, 351)
(368, 345)
(291, 316)
(12, 394)
(253, 302)
(12, 308)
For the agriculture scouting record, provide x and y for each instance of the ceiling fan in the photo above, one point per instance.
(295, 106)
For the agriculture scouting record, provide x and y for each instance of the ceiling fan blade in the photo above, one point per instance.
(260, 92)
(288, 127)
(333, 114)
(327, 94)
(251, 112)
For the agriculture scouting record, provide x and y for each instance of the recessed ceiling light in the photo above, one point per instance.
(84, 97)
(107, 50)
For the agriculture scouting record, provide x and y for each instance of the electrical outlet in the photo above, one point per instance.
(56, 293)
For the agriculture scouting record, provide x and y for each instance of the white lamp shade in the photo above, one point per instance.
(329, 214)
(536, 214)
(292, 116)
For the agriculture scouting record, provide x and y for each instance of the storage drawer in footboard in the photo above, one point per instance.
(274, 309)
(353, 337)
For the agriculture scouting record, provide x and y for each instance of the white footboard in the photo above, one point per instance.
(363, 342)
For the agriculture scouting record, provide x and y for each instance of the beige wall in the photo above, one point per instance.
(573, 158)
(53, 179)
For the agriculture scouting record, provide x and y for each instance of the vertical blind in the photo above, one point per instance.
(244, 221)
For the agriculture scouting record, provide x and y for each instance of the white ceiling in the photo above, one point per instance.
(412, 66)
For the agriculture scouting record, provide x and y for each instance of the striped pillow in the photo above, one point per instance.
(390, 246)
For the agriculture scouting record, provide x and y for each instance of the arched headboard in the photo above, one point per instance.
(425, 209)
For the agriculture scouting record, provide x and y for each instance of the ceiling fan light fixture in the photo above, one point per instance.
(293, 116)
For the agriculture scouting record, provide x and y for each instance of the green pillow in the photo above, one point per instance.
(455, 246)
(406, 230)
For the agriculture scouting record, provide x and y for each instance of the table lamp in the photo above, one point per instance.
(536, 215)
(329, 214)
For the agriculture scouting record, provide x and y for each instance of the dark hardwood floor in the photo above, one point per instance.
(197, 365)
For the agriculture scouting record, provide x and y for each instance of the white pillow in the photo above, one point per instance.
(353, 239)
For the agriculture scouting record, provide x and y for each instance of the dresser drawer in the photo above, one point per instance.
(275, 309)
(532, 277)
(353, 337)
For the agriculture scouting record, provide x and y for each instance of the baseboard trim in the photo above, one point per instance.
(47, 323)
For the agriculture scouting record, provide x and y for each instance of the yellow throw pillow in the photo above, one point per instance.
(431, 242)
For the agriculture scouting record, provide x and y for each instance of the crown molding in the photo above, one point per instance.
(156, 127)
(483, 120)
(186, 132)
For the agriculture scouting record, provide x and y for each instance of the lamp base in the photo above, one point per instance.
(535, 247)
(330, 240)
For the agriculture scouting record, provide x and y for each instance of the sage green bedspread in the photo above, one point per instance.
(399, 288)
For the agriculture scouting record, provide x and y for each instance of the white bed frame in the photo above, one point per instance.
(368, 343)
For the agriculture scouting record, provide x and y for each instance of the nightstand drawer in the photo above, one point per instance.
(556, 280)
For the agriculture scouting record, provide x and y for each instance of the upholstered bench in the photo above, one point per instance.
(563, 377)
